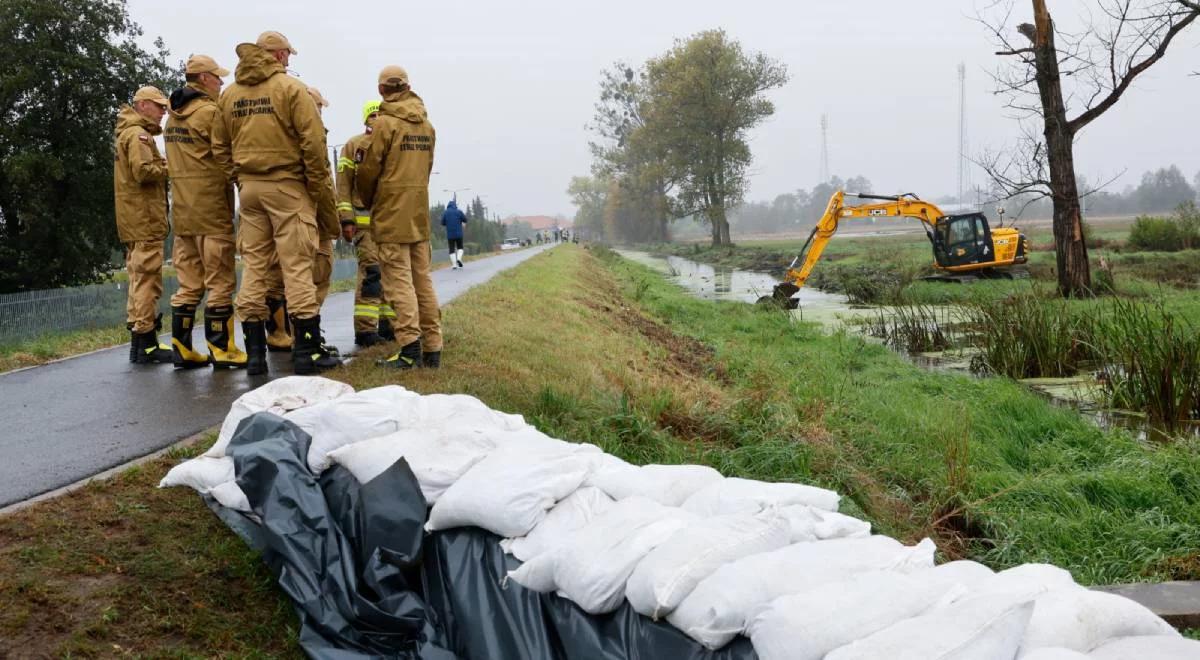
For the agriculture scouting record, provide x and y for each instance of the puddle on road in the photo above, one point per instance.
(1079, 393)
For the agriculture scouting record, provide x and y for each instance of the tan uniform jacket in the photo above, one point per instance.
(201, 193)
(393, 175)
(139, 179)
(269, 130)
(347, 196)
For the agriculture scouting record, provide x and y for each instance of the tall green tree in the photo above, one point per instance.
(629, 155)
(705, 95)
(68, 66)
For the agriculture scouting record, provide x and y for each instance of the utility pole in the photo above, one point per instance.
(824, 173)
(964, 176)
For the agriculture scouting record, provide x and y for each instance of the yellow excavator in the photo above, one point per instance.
(965, 247)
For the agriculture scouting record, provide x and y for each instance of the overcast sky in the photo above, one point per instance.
(510, 86)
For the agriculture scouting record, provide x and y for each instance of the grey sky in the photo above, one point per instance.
(511, 85)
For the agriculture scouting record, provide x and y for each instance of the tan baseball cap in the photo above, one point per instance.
(151, 93)
(316, 96)
(272, 40)
(205, 64)
(393, 75)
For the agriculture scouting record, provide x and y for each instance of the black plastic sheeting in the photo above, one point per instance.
(367, 582)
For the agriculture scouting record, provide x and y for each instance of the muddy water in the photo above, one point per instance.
(715, 283)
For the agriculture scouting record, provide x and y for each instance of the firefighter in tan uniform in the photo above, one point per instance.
(203, 218)
(372, 316)
(271, 138)
(327, 233)
(393, 180)
(140, 190)
(279, 327)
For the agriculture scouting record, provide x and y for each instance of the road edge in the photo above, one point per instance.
(103, 476)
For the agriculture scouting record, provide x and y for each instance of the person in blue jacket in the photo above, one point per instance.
(454, 221)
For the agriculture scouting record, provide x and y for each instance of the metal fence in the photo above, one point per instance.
(30, 314)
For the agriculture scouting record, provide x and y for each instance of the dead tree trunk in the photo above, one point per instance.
(1074, 275)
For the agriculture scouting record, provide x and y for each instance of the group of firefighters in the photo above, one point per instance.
(264, 135)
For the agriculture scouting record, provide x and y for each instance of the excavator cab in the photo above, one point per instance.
(962, 240)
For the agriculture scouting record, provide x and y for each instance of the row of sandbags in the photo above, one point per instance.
(716, 557)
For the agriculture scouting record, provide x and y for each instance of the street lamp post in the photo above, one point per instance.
(454, 191)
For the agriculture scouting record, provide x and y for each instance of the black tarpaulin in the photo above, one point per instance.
(367, 581)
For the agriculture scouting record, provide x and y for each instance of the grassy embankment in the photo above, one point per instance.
(592, 348)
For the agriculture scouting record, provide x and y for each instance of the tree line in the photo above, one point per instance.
(671, 139)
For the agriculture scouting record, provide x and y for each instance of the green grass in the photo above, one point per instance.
(57, 345)
(120, 567)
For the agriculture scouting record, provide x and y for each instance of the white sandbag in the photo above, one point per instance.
(201, 474)
(592, 568)
(354, 418)
(719, 607)
(1081, 619)
(1018, 584)
(970, 574)
(668, 485)
(1156, 647)
(279, 397)
(736, 495)
(809, 523)
(230, 495)
(807, 625)
(508, 492)
(670, 572)
(1054, 654)
(445, 410)
(985, 630)
(566, 518)
(437, 458)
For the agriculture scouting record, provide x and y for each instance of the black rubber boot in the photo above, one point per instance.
(218, 333)
(366, 339)
(256, 347)
(279, 326)
(148, 350)
(408, 357)
(431, 359)
(133, 344)
(183, 317)
(310, 355)
(386, 332)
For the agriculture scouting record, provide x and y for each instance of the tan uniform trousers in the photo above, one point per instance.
(322, 270)
(279, 222)
(204, 262)
(143, 264)
(368, 286)
(408, 287)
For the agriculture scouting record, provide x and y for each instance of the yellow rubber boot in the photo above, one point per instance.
(218, 330)
(279, 326)
(183, 317)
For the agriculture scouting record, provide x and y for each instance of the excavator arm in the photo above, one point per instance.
(894, 206)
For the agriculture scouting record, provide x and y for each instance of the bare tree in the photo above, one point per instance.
(1099, 62)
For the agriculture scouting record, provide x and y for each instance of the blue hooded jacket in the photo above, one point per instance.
(453, 220)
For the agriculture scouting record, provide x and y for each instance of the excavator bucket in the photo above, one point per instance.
(781, 296)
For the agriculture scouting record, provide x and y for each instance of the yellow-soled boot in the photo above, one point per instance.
(279, 326)
(183, 317)
(218, 330)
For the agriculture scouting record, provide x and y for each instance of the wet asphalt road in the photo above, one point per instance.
(69, 420)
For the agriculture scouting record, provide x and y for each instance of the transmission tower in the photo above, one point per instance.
(964, 172)
(824, 173)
